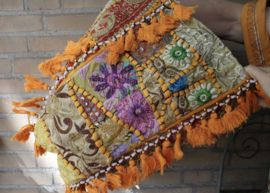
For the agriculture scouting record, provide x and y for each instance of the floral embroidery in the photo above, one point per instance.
(136, 111)
(114, 81)
(177, 55)
(179, 84)
(202, 94)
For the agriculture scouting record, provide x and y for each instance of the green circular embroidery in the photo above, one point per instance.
(178, 53)
(203, 96)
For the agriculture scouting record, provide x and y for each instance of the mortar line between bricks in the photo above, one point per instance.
(11, 152)
(21, 186)
(51, 12)
(28, 170)
(25, 5)
(44, 33)
(12, 67)
(44, 23)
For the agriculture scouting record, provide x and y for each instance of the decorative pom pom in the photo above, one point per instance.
(168, 152)
(135, 175)
(148, 165)
(39, 151)
(181, 12)
(114, 181)
(130, 42)
(215, 125)
(101, 184)
(161, 161)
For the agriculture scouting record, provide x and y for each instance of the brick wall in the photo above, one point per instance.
(32, 31)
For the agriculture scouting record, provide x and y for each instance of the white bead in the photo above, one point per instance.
(180, 127)
(97, 174)
(244, 88)
(118, 36)
(209, 110)
(167, 2)
(50, 92)
(151, 144)
(78, 184)
(102, 171)
(191, 120)
(46, 102)
(100, 43)
(114, 164)
(248, 84)
(158, 10)
(113, 39)
(162, 7)
(56, 82)
(215, 107)
(162, 137)
(143, 20)
(120, 161)
(72, 186)
(123, 33)
(75, 64)
(132, 26)
(156, 141)
(127, 157)
(185, 123)
(252, 80)
(82, 182)
(96, 47)
(65, 73)
(69, 68)
(233, 96)
(88, 179)
(106, 42)
(145, 148)
(133, 154)
(197, 116)
(153, 14)
(92, 177)
(90, 52)
(221, 104)
(203, 114)
(84, 56)
(139, 150)
(137, 23)
(80, 60)
(52, 88)
(169, 135)
(148, 17)
(109, 168)
(43, 107)
(127, 29)
(239, 92)
(61, 77)
(227, 100)
(174, 131)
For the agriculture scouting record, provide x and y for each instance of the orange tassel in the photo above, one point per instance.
(148, 165)
(233, 119)
(53, 66)
(161, 161)
(39, 151)
(134, 174)
(147, 32)
(116, 48)
(24, 133)
(114, 181)
(121, 171)
(243, 106)
(168, 152)
(34, 84)
(130, 42)
(91, 189)
(178, 153)
(101, 184)
(21, 111)
(252, 100)
(199, 135)
(215, 125)
(261, 93)
(29, 103)
(181, 12)
(166, 24)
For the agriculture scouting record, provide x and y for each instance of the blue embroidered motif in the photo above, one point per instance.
(179, 84)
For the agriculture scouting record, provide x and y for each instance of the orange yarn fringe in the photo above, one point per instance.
(114, 181)
(116, 48)
(130, 41)
(39, 151)
(53, 66)
(29, 103)
(178, 153)
(21, 111)
(34, 84)
(168, 152)
(199, 135)
(148, 165)
(101, 184)
(134, 174)
(24, 133)
(215, 125)
(160, 160)
(181, 12)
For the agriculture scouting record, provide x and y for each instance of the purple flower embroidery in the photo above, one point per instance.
(136, 111)
(113, 80)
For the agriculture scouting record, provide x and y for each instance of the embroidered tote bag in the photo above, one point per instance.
(145, 78)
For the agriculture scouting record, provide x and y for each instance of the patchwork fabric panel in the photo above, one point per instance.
(143, 80)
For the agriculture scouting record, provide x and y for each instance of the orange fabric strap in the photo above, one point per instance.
(255, 34)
